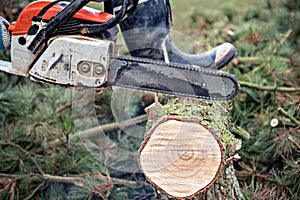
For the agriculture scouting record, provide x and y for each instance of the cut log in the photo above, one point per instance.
(192, 115)
(181, 157)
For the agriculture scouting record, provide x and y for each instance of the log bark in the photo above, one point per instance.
(188, 151)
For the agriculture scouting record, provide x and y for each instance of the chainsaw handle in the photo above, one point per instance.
(126, 9)
(51, 27)
(39, 17)
(96, 28)
(44, 34)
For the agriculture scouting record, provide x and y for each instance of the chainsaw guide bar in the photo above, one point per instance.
(172, 78)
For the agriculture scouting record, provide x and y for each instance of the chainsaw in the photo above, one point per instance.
(72, 45)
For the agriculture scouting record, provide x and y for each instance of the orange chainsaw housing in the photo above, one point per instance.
(24, 21)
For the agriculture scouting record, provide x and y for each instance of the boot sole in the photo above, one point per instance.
(226, 60)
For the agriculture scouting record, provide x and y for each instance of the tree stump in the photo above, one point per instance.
(181, 157)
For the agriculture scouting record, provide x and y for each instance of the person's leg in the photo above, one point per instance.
(146, 35)
(146, 28)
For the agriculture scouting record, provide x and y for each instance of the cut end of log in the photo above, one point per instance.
(274, 123)
(182, 158)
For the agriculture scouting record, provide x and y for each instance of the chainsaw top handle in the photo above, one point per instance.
(45, 33)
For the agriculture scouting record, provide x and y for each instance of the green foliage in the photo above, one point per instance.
(288, 17)
(40, 156)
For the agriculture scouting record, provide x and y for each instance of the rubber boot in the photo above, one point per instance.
(146, 35)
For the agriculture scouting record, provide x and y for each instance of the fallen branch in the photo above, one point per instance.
(240, 132)
(284, 38)
(286, 114)
(250, 60)
(110, 127)
(75, 180)
(259, 60)
(269, 88)
(105, 128)
(42, 178)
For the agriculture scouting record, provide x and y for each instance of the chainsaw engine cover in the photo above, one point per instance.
(74, 61)
(30, 12)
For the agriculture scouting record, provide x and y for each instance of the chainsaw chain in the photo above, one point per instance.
(189, 67)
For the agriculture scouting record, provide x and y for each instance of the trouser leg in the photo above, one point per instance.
(145, 30)
(146, 35)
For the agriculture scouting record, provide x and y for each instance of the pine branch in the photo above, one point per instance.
(284, 38)
(75, 180)
(28, 154)
(286, 114)
(105, 128)
(269, 88)
(110, 127)
(250, 60)
(35, 191)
